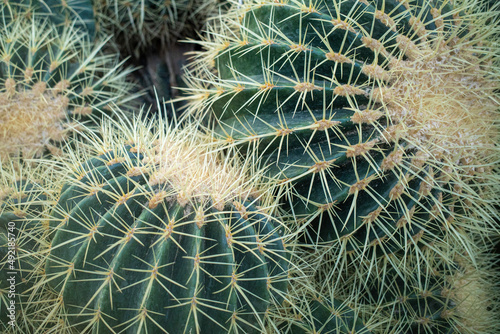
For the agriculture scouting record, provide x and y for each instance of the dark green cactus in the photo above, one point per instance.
(371, 153)
(62, 13)
(23, 200)
(438, 296)
(161, 236)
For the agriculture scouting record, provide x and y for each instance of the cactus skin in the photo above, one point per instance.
(438, 295)
(62, 13)
(159, 237)
(48, 80)
(24, 197)
(335, 95)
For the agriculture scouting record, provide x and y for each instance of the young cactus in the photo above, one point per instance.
(378, 118)
(47, 81)
(156, 233)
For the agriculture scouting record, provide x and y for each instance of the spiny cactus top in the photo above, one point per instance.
(49, 79)
(158, 234)
(380, 118)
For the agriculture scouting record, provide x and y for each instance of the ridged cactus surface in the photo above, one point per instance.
(379, 118)
(62, 13)
(439, 295)
(48, 80)
(157, 234)
(24, 199)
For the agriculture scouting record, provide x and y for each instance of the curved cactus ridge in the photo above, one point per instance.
(156, 233)
(379, 119)
(62, 13)
(24, 200)
(48, 80)
(439, 295)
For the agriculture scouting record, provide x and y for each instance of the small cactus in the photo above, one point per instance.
(158, 234)
(48, 80)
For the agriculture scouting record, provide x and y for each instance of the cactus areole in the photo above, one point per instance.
(378, 117)
(160, 237)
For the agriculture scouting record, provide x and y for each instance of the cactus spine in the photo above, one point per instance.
(378, 118)
(49, 80)
(157, 234)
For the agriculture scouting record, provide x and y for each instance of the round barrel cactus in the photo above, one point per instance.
(48, 80)
(378, 119)
(159, 234)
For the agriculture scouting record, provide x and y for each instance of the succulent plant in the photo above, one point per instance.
(378, 118)
(62, 13)
(24, 199)
(156, 233)
(140, 25)
(437, 295)
(48, 80)
(315, 313)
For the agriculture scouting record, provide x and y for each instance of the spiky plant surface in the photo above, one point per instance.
(48, 80)
(156, 233)
(139, 25)
(310, 310)
(436, 294)
(379, 118)
(25, 197)
(62, 13)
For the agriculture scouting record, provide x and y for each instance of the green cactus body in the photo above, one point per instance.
(159, 236)
(322, 316)
(49, 80)
(336, 97)
(62, 13)
(439, 296)
(23, 201)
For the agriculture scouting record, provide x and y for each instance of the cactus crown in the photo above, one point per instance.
(48, 79)
(158, 215)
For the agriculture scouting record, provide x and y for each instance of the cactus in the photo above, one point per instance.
(140, 25)
(314, 313)
(438, 295)
(24, 199)
(62, 13)
(378, 118)
(49, 80)
(158, 234)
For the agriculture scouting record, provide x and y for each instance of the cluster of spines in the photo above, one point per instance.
(342, 109)
(184, 225)
(26, 194)
(49, 80)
